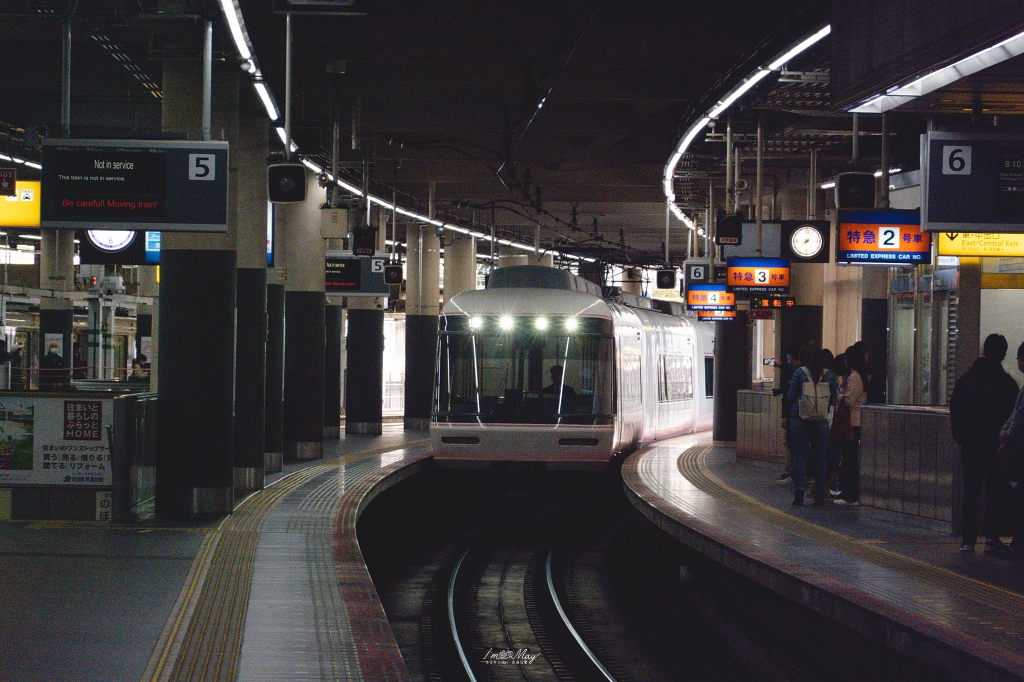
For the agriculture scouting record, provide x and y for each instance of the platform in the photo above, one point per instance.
(276, 591)
(906, 587)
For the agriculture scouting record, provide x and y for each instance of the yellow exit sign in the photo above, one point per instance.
(981, 244)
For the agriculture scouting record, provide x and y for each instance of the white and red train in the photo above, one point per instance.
(538, 367)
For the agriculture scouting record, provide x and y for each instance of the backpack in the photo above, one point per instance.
(813, 401)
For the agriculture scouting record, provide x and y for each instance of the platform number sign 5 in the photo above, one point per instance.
(202, 167)
(377, 265)
(956, 160)
(761, 276)
(888, 237)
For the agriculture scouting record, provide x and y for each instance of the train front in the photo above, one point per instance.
(525, 375)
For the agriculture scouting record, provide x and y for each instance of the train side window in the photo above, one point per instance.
(709, 376)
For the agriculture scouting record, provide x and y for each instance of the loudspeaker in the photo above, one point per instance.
(286, 183)
(392, 274)
(855, 190)
(364, 241)
(729, 230)
(666, 279)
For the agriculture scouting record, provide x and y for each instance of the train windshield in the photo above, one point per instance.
(525, 370)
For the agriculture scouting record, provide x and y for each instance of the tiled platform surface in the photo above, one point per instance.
(89, 601)
(906, 587)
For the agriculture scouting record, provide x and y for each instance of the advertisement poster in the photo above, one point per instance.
(54, 344)
(55, 441)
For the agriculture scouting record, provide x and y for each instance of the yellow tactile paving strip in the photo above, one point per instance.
(944, 618)
(202, 638)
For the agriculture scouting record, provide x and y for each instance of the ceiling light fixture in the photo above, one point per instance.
(233, 15)
(268, 100)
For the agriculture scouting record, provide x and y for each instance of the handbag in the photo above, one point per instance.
(841, 430)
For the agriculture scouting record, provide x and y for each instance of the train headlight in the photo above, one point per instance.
(475, 322)
(571, 324)
(506, 323)
(541, 323)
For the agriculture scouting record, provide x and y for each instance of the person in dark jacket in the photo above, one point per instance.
(1011, 454)
(982, 400)
(873, 379)
(786, 370)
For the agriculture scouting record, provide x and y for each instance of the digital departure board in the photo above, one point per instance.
(171, 186)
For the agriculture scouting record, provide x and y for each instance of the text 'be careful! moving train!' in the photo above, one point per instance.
(538, 367)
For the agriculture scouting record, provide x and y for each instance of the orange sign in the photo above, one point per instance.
(714, 315)
(882, 238)
(709, 297)
(758, 275)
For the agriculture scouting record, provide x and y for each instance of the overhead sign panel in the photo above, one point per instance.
(709, 297)
(350, 275)
(716, 315)
(171, 186)
(758, 275)
(22, 208)
(882, 238)
(973, 181)
(981, 244)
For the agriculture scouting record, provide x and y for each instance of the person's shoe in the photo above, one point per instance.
(798, 498)
(841, 501)
(785, 478)
(993, 545)
(967, 548)
(819, 499)
(835, 492)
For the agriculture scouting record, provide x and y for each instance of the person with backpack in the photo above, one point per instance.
(786, 370)
(853, 394)
(982, 400)
(812, 392)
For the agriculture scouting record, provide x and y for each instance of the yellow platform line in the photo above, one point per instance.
(693, 465)
(202, 637)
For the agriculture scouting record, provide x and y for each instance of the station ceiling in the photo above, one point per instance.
(546, 109)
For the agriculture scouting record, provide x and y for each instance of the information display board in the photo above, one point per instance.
(350, 275)
(758, 275)
(21, 209)
(716, 315)
(972, 181)
(172, 186)
(882, 238)
(772, 302)
(980, 244)
(55, 441)
(709, 297)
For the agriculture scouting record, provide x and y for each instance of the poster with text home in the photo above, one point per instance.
(55, 441)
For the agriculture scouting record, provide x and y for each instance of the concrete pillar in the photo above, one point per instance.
(250, 155)
(364, 357)
(421, 310)
(304, 325)
(273, 455)
(56, 313)
(459, 267)
(333, 329)
(732, 372)
(195, 448)
(146, 322)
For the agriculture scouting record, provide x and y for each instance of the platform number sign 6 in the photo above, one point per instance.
(956, 160)
(888, 237)
(697, 273)
(202, 167)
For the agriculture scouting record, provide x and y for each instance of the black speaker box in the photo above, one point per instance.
(855, 190)
(392, 274)
(729, 230)
(666, 279)
(286, 183)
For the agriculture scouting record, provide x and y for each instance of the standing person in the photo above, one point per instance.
(1011, 450)
(785, 376)
(982, 401)
(873, 381)
(854, 394)
(835, 446)
(812, 392)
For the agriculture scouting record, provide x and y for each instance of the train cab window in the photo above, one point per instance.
(675, 378)
(709, 376)
(514, 371)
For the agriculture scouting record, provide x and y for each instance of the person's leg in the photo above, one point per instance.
(852, 482)
(800, 446)
(819, 449)
(833, 459)
(973, 471)
(995, 498)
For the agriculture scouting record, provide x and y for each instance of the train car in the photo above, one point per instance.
(539, 367)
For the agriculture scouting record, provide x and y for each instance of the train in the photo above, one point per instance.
(540, 367)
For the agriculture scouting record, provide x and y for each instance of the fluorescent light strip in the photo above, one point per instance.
(730, 98)
(233, 16)
(990, 56)
(268, 101)
(281, 134)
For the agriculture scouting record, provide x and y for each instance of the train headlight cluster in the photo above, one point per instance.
(475, 322)
(571, 324)
(506, 323)
(541, 323)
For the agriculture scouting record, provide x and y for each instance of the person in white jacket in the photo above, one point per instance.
(853, 392)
